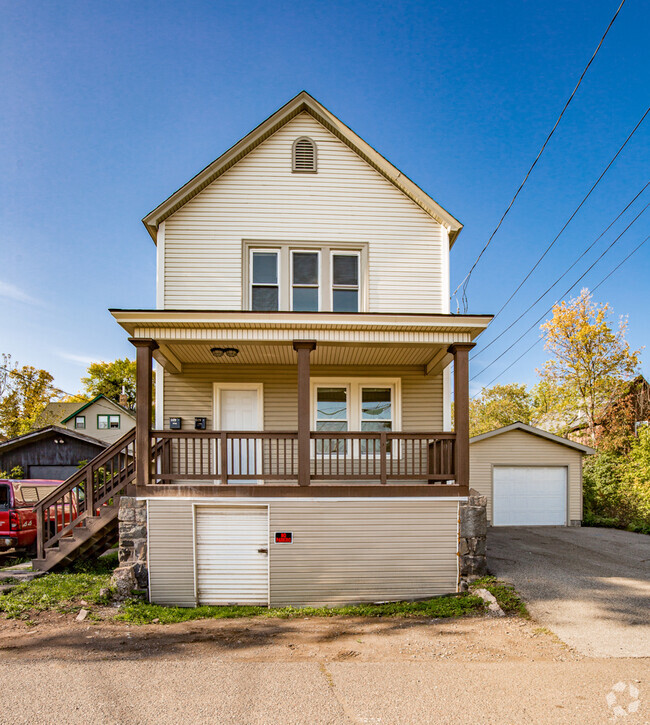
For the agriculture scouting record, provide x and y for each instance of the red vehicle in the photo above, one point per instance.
(18, 520)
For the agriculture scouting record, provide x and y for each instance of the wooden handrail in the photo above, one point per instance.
(62, 510)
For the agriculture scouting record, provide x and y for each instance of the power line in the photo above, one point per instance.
(489, 365)
(28, 380)
(570, 219)
(465, 281)
(564, 274)
(539, 339)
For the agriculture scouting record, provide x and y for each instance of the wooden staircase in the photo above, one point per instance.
(79, 518)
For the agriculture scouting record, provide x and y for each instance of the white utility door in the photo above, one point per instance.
(239, 410)
(232, 544)
(529, 496)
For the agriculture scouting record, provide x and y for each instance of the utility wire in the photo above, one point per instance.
(539, 339)
(489, 365)
(564, 274)
(28, 380)
(570, 219)
(465, 281)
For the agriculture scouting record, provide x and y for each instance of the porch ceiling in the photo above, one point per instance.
(185, 337)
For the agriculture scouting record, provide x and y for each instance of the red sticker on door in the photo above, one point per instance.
(284, 537)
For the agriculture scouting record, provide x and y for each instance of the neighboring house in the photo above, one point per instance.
(50, 453)
(622, 418)
(100, 418)
(302, 451)
(530, 476)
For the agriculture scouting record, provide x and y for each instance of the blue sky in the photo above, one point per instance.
(108, 107)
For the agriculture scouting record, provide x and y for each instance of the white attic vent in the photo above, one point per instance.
(304, 155)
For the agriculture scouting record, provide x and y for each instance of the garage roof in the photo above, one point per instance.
(44, 433)
(536, 432)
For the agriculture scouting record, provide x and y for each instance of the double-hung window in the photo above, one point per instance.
(80, 422)
(345, 281)
(365, 405)
(107, 422)
(309, 278)
(265, 280)
(305, 281)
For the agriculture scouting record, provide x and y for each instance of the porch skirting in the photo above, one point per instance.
(301, 551)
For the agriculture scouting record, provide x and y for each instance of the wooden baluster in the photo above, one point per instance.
(383, 452)
(224, 458)
(90, 492)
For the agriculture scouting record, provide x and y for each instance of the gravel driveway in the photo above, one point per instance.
(590, 586)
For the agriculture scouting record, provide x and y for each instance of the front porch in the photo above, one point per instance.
(396, 458)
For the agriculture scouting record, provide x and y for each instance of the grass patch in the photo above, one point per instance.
(139, 612)
(505, 594)
(59, 591)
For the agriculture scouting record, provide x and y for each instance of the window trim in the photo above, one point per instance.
(319, 285)
(284, 249)
(81, 418)
(109, 416)
(251, 284)
(294, 170)
(354, 386)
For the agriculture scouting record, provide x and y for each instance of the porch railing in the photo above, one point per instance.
(267, 456)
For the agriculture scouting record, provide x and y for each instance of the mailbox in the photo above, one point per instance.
(200, 423)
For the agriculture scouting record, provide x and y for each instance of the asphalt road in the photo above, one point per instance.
(590, 586)
(167, 692)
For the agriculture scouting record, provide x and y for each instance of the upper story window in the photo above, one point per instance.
(80, 422)
(313, 279)
(106, 422)
(265, 280)
(303, 156)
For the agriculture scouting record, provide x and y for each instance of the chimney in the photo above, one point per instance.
(124, 399)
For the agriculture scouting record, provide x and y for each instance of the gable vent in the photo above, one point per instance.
(304, 155)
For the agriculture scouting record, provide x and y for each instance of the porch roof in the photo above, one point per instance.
(187, 336)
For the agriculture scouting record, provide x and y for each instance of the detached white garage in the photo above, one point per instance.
(530, 477)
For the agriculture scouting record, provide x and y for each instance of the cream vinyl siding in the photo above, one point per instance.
(260, 199)
(342, 551)
(359, 551)
(191, 394)
(108, 435)
(517, 448)
(171, 552)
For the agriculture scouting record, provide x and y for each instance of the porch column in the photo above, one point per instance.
(303, 348)
(143, 408)
(460, 351)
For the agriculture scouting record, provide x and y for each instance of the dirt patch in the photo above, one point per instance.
(335, 639)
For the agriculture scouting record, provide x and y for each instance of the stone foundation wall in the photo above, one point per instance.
(132, 572)
(472, 544)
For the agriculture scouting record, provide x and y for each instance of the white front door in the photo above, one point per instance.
(239, 409)
(529, 495)
(232, 544)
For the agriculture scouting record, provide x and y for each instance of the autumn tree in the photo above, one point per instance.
(499, 406)
(27, 392)
(591, 359)
(108, 378)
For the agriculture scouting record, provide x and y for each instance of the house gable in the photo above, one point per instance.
(346, 203)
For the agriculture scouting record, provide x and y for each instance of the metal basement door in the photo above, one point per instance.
(529, 495)
(232, 561)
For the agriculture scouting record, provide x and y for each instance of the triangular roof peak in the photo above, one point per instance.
(101, 396)
(303, 102)
(518, 425)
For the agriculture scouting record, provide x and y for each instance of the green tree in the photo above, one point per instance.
(590, 358)
(636, 471)
(499, 406)
(27, 392)
(108, 378)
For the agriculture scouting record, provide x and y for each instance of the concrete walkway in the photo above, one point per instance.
(590, 586)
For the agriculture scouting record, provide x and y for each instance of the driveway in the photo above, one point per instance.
(590, 586)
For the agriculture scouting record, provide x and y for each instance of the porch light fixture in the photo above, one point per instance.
(221, 351)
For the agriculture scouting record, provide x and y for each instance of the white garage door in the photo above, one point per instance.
(232, 554)
(529, 496)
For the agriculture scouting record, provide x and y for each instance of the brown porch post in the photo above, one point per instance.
(303, 348)
(460, 351)
(143, 409)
